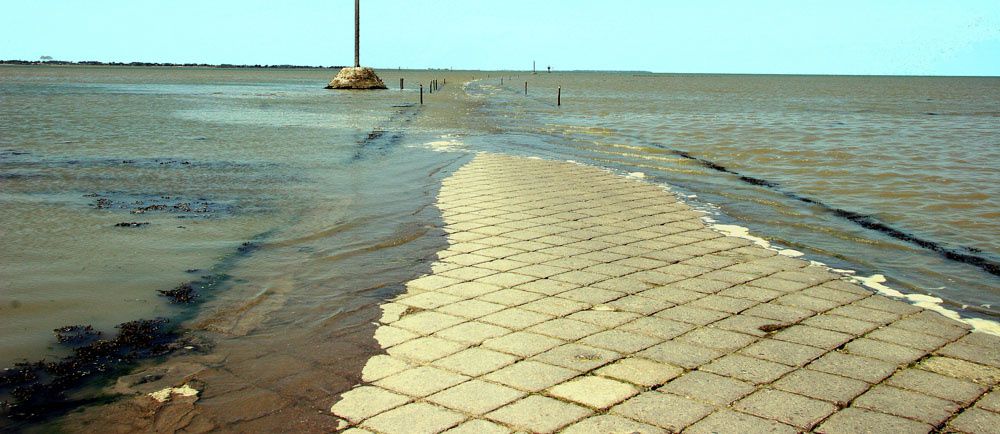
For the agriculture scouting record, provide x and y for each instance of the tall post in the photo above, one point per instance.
(400, 83)
(559, 96)
(421, 94)
(357, 33)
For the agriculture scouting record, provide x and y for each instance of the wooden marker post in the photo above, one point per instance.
(400, 83)
(526, 88)
(559, 96)
(421, 94)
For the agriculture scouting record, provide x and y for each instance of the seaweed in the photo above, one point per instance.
(131, 224)
(31, 389)
(182, 294)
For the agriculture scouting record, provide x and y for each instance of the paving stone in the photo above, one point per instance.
(530, 375)
(789, 408)
(380, 366)
(692, 315)
(625, 285)
(723, 340)
(611, 424)
(864, 314)
(472, 332)
(975, 420)
(680, 354)
(671, 295)
(387, 336)
(828, 293)
(929, 383)
(510, 297)
(780, 313)
(468, 273)
(471, 309)
(751, 293)
(820, 385)
(724, 421)
(620, 341)
(470, 289)
(502, 265)
(977, 373)
(425, 349)
(540, 270)
(648, 408)
(547, 287)
(746, 324)
(973, 353)
(787, 353)
(579, 277)
(428, 300)
(595, 392)
(565, 329)
(414, 418)
(803, 301)
(579, 357)
(555, 306)
(989, 402)
(904, 403)
(841, 324)
(708, 387)
(884, 351)
(539, 414)
(847, 365)
(639, 371)
(420, 381)
(432, 282)
(478, 426)
(888, 305)
(591, 295)
(657, 327)
(778, 284)
(908, 338)
(364, 402)
(603, 318)
(507, 279)
(813, 336)
(475, 397)
(722, 303)
(427, 322)
(856, 420)
(475, 361)
(639, 305)
(747, 368)
(523, 344)
(515, 319)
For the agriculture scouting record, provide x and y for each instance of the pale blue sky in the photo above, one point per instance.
(942, 37)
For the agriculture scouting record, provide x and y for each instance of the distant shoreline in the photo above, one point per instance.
(154, 64)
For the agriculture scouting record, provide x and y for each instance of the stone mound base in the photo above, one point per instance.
(356, 78)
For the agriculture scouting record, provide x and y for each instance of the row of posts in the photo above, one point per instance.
(433, 85)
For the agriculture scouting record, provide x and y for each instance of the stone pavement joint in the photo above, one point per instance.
(573, 299)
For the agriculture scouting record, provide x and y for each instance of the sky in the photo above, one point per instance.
(878, 37)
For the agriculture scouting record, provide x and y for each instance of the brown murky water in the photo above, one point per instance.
(334, 189)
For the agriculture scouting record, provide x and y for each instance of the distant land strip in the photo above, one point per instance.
(190, 65)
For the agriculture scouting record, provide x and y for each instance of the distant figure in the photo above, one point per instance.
(550, 69)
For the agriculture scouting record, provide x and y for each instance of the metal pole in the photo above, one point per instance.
(559, 96)
(357, 33)
(421, 94)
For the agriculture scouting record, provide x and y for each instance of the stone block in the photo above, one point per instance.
(595, 392)
(708, 387)
(414, 418)
(530, 375)
(539, 414)
(820, 385)
(642, 372)
(649, 408)
(856, 420)
(789, 408)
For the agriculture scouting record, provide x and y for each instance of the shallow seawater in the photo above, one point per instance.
(335, 193)
(897, 176)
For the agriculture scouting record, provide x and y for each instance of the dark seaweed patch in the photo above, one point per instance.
(76, 334)
(131, 224)
(182, 294)
(35, 388)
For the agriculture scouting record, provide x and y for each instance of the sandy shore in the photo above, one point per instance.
(573, 299)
